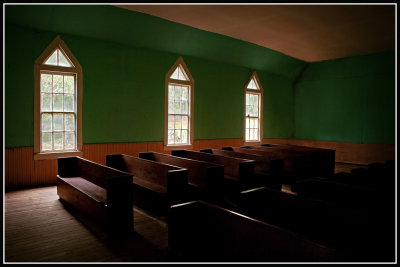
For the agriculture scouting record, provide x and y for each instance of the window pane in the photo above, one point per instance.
(247, 123)
(177, 107)
(185, 122)
(62, 61)
(69, 103)
(178, 94)
(171, 92)
(69, 84)
(171, 122)
(178, 122)
(58, 122)
(58, 141)
(46, 83)
(251, 125)
(47, 143)
(185, 93)
(178, 138)
(58, 84)
(247, 134)
(69, 140)
(52, 59)
(47, 121)
(69, 122)
(170, 107)
(184, 108)
(184, 136)
(58, 102)
(171, 136)
(255, 123)
(46, 104)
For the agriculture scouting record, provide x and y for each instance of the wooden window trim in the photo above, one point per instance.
(76, 69)
(189, 83)
(260, 108)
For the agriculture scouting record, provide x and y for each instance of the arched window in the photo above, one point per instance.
(253, 111)
(58, 102)
(178, 130)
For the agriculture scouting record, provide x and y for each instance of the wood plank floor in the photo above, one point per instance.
(38, 227)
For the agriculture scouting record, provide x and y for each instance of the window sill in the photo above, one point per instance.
(177, 147)
(55, 155)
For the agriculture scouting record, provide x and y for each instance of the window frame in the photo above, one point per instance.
(258, 92)
(190, 84)
(75, 70)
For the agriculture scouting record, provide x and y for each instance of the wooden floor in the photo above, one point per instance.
(38, 227)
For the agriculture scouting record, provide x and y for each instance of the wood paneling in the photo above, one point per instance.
(22, 171)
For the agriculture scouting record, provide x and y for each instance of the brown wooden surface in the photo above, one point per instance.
(21, 171)
(199, 171)
(39, 228)
(232, 166)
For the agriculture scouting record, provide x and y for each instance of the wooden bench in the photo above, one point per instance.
(363, 198)
(326, 157)
(101, 192)
(156, 186)
(268, 172)
(201, 232)
(309, 166)
(291, 164)
(350, 232)
(238, 173)
(204, 178)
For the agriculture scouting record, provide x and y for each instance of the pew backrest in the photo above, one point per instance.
(200, 173)
(234, 168)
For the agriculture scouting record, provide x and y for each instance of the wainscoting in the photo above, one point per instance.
(22, 171)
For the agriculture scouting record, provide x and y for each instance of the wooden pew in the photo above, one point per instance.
(291, 164)
(326, 157)
(352, 233)
(268, 172)
(310, 161)
(101, 192)
(204, 178)
(238, 173)
(156, 186)
(201, 232)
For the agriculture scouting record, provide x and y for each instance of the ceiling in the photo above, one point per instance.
(307, 32)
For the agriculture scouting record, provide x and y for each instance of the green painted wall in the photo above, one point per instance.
(349, 100)
(125, 56)
(124, 87)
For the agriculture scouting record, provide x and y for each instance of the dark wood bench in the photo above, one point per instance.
(326, 157)
(350, 232)
(291, 164)
(156, 186)
(202, 232)
(309, 166)
(238, 173)
(101, 192)
(268, 172)
(363, 198)
(204, 178)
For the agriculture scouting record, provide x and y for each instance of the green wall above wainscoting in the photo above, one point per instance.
(125, 56)
(347, 100)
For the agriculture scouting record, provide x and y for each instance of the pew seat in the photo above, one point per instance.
(102, 193)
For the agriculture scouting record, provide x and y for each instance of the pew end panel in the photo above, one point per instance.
(101, 192)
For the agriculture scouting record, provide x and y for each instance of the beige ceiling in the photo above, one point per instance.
(307, 32)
